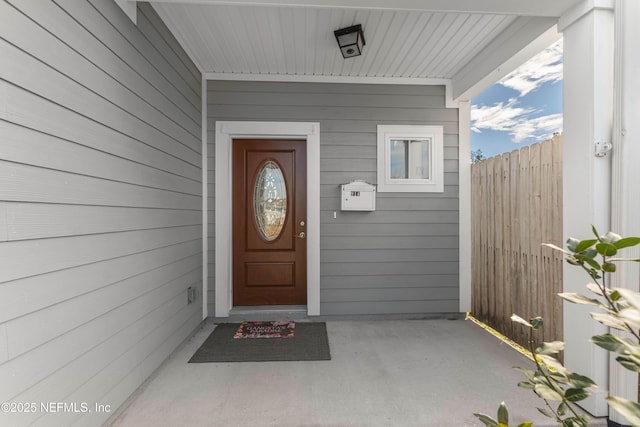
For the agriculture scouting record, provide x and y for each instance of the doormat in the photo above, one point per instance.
(310, 342)
(265, 330)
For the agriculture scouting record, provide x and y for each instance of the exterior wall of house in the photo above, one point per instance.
(402, 258)
(100, 205)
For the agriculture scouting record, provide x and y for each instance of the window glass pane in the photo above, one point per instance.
(410, 158)
(419, 159)
(270, 201)
(398, 159)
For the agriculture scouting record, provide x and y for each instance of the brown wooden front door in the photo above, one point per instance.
(269, 222)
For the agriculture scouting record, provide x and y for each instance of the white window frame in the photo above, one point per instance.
(435, 183)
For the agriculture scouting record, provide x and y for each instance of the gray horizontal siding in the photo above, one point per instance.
(400, 259)
(100, 203)
(389, 281)
(409, 306)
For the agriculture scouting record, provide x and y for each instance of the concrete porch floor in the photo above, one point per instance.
(382, 373)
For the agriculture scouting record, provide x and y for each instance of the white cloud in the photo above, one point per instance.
(500, 116)
(545, 67)
(539, 128)
(517, 121)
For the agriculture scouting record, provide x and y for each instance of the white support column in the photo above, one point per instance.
(588, 115)
(625, 200)
(464, 194)
(205, 203)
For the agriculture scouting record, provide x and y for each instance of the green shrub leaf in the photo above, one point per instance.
(576, 394)
(556, 248)
(546, 392)
(559, 377)
(630, 410)
(609, 320)
(627, 242)
(613, 343)
(581, 381)
(574, 422)
(562, 409)
(518, 319)
(580, 299)
(633, 298)
(588, 257)
(584, 245)
(550, 347)
(593, 287)
(625, 259)
(606, 249)
(630, 362)
(546, 412)
(487, 420)
(526, 385)
(553, 363)
(503, 415)
(630, 316)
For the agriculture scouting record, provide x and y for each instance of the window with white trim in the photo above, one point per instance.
(410, 159)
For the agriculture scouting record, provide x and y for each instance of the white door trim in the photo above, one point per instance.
(225, 133)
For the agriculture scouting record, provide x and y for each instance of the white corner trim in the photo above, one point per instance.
(225, 133)
(449, 102)
(464, 195)
(130, 8)
(205, 204)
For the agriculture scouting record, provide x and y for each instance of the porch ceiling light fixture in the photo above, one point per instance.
(350, 40)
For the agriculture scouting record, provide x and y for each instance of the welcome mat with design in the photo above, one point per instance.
(281, 329)
(310, 342)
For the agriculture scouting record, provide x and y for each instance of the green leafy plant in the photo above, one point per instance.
(550, 381)
(619, 310)
(503, 418)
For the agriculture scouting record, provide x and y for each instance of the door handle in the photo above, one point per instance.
(302, 235)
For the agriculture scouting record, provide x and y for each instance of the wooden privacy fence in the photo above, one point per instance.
(517, 206)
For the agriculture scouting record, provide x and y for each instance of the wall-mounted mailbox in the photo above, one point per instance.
(358, 196)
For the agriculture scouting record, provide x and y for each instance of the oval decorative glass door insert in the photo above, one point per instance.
(270, 201)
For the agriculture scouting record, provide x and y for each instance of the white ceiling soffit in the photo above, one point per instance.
(459, 44)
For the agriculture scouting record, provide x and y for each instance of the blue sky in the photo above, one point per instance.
(525, 107)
